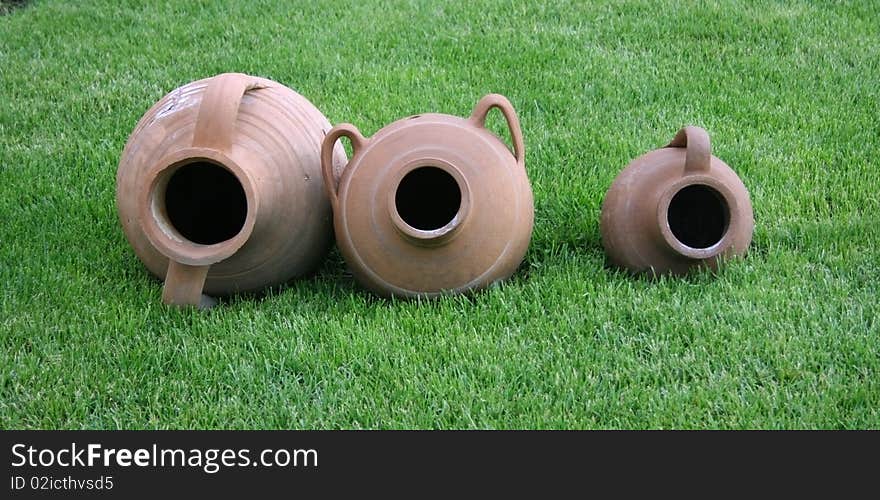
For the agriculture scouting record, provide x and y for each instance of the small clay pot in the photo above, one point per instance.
(432, 203)
(219, 188)
(676, 208)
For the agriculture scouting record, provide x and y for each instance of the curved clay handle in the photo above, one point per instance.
(184, 284)
(699, 150)
(215, 128)
(481, 110)
(357, 142)
(215, 123)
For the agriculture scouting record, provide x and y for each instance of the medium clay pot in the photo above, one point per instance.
(219, 188)
(432, 203)
(676, 208)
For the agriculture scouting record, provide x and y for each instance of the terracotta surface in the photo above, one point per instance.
(219, 188)
(432, 203)
(676, 208)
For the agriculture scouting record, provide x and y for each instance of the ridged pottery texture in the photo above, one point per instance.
(432, 203)
(219, 188)
(676, 208)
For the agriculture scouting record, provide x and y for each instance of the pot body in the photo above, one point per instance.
(676, 208)
(221, 181)
(432, 203)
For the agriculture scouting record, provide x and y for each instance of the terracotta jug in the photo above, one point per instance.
(676, 208)
(219, 188)
(432, 203)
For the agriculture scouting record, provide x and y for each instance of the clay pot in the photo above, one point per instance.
(432, 203)
(219, 188)
(676, 208)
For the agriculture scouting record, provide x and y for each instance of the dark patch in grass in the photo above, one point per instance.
(7, 6)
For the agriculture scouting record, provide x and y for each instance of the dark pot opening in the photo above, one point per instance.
(205, 203)
(698, 216)
(428, 198)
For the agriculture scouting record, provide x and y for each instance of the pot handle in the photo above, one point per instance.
(184, 284)
(357, 142)
(215, 122)
(481, 110)
(699, 149)
(214, 129)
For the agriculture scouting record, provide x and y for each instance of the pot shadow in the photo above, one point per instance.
(700, 275)
(331, 280)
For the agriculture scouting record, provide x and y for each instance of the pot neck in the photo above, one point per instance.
(430, 202)
(199, 206)
(695, 217)
(431, 237)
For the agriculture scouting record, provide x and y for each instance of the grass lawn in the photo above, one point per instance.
(785, 338)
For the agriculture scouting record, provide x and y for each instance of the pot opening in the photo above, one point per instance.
(205, 203)
(428, 198)
(698, 216)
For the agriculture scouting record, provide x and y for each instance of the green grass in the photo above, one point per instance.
(785, 338)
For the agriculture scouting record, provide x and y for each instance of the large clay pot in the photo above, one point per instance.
(219, 188)
(432, 203)
(676, 208)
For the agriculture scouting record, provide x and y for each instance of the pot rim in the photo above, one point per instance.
(727, 198)
(161, 232)
(441, 235)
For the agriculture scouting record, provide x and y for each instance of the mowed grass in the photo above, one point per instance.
(785, 338)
